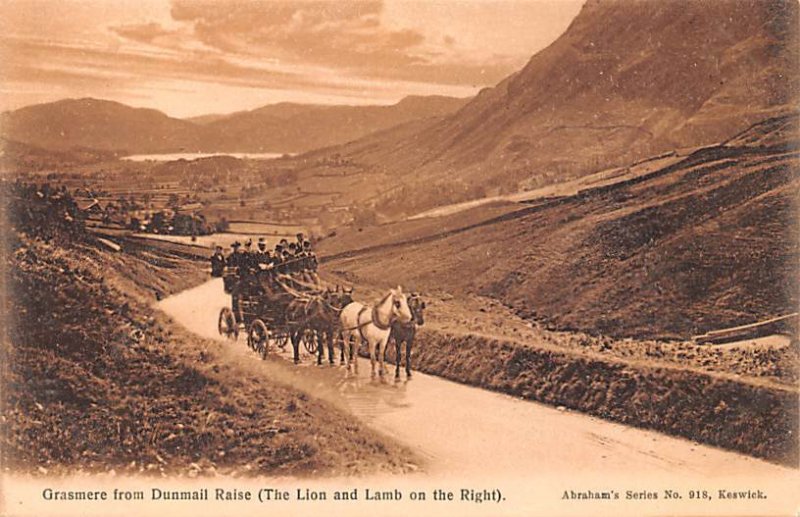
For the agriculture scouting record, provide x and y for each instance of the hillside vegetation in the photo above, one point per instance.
(625, 81)
(97, 380)
(705, 243)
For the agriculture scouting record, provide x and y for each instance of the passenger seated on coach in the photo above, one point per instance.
(234, 260)
(282, 245)
(231, 277)
(217, 262)
(262, 255)
(311, 261)
(248, 264)
(286, 262)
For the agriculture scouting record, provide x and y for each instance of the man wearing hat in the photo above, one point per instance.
(284, 265)
(235, 258)
(294, 259)
(217, 262)
(262, 255)
(311, 263)
(232, 278)
(312, 257)
(250, 267)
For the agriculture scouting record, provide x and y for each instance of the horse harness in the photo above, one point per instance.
(372, 319)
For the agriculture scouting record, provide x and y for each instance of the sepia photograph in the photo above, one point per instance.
(400, 257)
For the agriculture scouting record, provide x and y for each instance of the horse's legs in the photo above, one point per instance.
(320, 349)
(331, 354)
(372, 345)
(408, 358)
(381, 346)
(295, 337)
(354, 351)
(397, 344)
(346, 337)
(349, 343)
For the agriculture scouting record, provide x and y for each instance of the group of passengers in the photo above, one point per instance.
(246, 270)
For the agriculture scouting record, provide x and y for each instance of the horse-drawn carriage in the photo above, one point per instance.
(277, 309)
(282, 310)
(259, 318)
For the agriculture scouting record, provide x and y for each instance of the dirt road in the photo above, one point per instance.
(465, 430)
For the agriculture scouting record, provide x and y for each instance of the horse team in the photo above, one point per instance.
(324, 315)
(394, 318)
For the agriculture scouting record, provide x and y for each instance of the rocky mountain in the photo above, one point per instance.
(625, 81)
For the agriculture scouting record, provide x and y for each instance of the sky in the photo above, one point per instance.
(195, 57)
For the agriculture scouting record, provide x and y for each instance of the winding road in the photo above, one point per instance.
(475, 434)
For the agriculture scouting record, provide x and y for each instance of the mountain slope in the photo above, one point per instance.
(98, 124)
(626, 80)
(709, 242)
(111, 126)
(14, 155)
(297, 128)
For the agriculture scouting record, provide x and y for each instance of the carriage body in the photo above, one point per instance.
(264, 319)
(260, 316)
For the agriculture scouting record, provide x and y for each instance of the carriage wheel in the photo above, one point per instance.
(227, 324)
(258, 337)
(310, 341)
(282, 340)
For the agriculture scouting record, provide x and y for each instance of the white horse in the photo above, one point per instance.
(373, 325)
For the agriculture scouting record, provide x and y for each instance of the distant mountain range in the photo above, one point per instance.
(291, 128)
(97, 124)
(627, 80)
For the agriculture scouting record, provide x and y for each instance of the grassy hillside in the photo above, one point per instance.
(625, 81)
(96, 380)
(708, 242)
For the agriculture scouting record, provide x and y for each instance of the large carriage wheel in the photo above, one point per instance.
(310, 341)
(282, 340)
(258, 337)
(227, 324)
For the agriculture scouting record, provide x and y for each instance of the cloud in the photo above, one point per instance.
(337, 51)
(143, 32)
(344, 34)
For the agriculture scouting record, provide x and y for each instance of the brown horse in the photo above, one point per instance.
(405, 332)
(318, 313)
